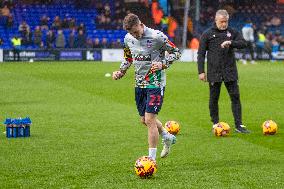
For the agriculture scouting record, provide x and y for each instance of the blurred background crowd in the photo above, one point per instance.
(45, 24)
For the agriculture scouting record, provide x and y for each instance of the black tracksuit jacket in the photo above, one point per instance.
(221, 63)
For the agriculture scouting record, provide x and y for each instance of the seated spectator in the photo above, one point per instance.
(24, 27)
(116, 44)
(80, 40)
(89, 43)
(56, 23)
(5, 11)
(97, 43)
(50, 39)
(275, 21)
(107, 11)
(279, 38)
(82, 27)
(60, 39)
(10, 21)
(44, 22)
(26, 34)
(72, 23)
(119, 10)
(37, 36)
(71, 39)
(41, 46)
(65, 23)
(105, 43)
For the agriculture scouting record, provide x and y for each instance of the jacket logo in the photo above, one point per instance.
(229, 34)
(140, 57)
(149, 43)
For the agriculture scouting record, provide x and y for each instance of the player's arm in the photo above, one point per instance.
(201, 56)
(173, 53)
(126, 63)
(237, 42)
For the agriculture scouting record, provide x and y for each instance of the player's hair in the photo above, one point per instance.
(130, 20)
(222, 12)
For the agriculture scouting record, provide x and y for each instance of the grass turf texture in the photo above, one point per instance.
(86, 132)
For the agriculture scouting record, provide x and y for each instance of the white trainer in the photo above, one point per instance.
(167, 141)
(244, 61)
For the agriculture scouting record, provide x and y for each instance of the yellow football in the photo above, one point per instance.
(172, 127)
(145, 167)
(269, 127)
(221, 129)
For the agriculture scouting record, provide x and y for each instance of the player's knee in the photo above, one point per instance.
(142, 120)
(149, 121)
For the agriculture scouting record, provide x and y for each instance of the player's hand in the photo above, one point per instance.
(226, 44)
(156, 66)
(202, 77)
(117, 75)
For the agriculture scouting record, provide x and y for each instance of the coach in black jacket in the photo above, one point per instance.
(219, 42)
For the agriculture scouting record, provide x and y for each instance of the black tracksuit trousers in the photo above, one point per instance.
(233, 90)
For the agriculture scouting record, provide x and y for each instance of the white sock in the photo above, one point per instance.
(152, 153)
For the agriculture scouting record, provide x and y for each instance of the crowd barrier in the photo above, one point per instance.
(105, 55)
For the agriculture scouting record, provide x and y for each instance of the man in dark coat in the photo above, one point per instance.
(219, 42)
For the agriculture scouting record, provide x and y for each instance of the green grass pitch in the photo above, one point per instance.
(86, 131)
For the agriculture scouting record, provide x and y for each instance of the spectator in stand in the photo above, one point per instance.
(26, 34)
(89, 43)
(50, 39)
(107, 11)
(105, 43)
(279, 38)
(116, 44)
(275, 21)
(97, 43)
(5, 11)
(119, 13)
(60, 39)
(82, 27)
(41, 46)
(119, 10)
(56, 23)
(37, 36)
(44, 22)
(24, 27)
(99, 6)
(71, 39)
(10, 21)
(65, 23)
(80, 40)
(72, 23)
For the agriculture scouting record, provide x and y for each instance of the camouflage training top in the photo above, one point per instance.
(152, 46)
